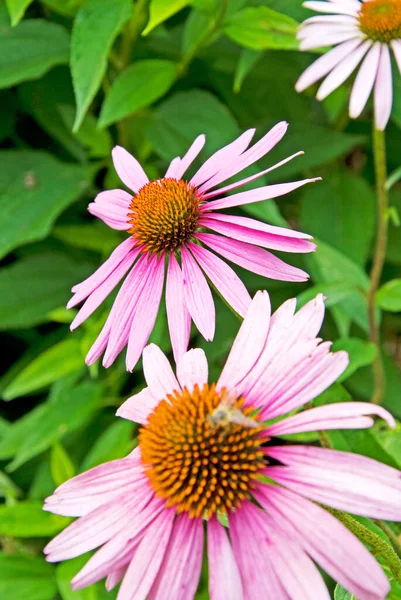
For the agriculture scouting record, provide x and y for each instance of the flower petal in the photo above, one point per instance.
(178, 169)
(224, 577)
(112, 206)
(158, 372)
(198, 296)
(364, 81)
(396, 46)
(138, 407)
(128, 169)
(192, 368)
(347, 8)
(178, 317)
(383, 89)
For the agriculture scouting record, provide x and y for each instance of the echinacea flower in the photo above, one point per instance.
(361, 31)
(172, 218)
(206, 451)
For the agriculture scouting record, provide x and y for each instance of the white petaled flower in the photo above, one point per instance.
(363, 34)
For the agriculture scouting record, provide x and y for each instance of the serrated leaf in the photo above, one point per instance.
(25, 577)
(31, 49)
(61, 466)
(28, 519)
(96, 26)
(388, 296)
(261, 28)
(34, 189)
(138, 86)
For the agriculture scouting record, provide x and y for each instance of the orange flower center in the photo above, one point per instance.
(380, 20)
(200, 453)
(164, 214)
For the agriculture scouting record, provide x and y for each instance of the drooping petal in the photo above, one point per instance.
(223, 278)
(138, 407)
(364, 81)
(249, 342)
(192, 369)
(179, 573)
(158, 372)
(383, 89)
(178, 168)
(178, 317)
(198, 296)
(252, 258)
(345, 415)
(327, 541)
(128, 169)
(224, 578)
(258, 225)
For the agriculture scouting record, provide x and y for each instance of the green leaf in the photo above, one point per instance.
(114, 443)
(160, 11)
(389, 439)
(260, 28)
(138, 86)
(247, 60)
(360, 354)
(341, 594)
(68, 411)
(67, 8)
(61, 466)
(67, 571)
(35, 285)
(34, 189)
(28, 519)
(17, 432)
(31, 49)
(95, 236)
(58, 361)
(388, 296)
(16, 9)
(8, 490)
(25, 577)
(96, 26)
(329, 209)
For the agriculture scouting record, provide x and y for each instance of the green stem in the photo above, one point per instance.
(391, 535)
(379, 151)
(375, 542)
(137, 23)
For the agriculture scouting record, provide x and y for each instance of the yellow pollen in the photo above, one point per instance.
(380, 20)
(164, 214)
(201, 477)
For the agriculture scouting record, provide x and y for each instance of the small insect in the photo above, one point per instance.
(227, 414)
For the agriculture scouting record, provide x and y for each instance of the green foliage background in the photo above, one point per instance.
(76, 77)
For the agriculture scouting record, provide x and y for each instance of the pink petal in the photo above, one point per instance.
(332, 416)
(327, 541)
(138, 407)
(224, 577)
(257, 225)
(192, 369)
(178, 170)
(324, 64)
(114, 578)
(262, 147)
(225, 280)
(252, 258)
(198, 296)
(259, 238)
(266, 192)
(219, 159)
(112, 206)
(364, 81)
(158, 372)
(349, 8)
(178, 317)
(179, 573)
(383, 89)
(396, 46)
(128, 169)
(145, 315)
(343, 70)
(104, 289)
(148, 558)
(249, 342)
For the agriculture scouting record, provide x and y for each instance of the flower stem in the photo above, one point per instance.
(378, 545)
(379, 151)
(391, 535)
(134, 28)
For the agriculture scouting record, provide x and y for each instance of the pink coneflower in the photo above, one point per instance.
(360, 31)
(206, 451)
(173, 218)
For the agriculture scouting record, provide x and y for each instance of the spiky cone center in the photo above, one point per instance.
(164, 214)
(380, 20)
(196, 457)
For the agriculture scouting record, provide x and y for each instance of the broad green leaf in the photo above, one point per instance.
(61, 466)
(389, 439)
(388, 296)
(96, 26)
(31, 49)
(95, 236)
(16, 9)
(67, 8)
(329, 209)
(99, 143)
(16, 434)
(196, 24)
(35, 285)
(261, 28)
(138, 86)
(333, 292)
(8, 489)
(58, 361)
(160, 11)
(28, 519)
(67, 571)
(360, 354)
(24, 577)
(63, 414)
(289, 7)
(7, 114)
(34, 189)
(115, 442)
(341, 594)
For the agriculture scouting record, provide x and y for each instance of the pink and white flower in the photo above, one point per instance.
(207, 450)
(363, 33)
(172, 218)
